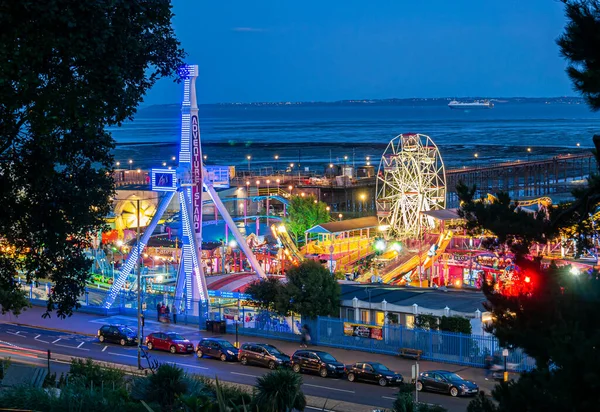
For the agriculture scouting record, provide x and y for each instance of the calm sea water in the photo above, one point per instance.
(315, 134)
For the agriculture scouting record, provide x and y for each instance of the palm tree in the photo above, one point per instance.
(279, 391)
(166, 385)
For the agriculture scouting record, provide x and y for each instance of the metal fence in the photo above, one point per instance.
(455, 348)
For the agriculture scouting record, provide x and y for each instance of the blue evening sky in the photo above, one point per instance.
(325, 50)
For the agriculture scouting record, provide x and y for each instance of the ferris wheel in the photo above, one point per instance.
(411, 179)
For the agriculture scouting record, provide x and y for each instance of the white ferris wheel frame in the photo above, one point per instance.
(411, 179)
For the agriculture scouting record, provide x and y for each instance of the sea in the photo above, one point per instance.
(313, 135)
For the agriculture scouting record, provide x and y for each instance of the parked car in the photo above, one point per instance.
(117, 334)
(446, 382)
(373, 372)
(262, 354)
(173, 342)
(316, 361)
(217, 348)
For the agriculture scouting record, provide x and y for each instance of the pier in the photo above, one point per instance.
(356, 196)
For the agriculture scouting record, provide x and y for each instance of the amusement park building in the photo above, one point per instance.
(371, 304)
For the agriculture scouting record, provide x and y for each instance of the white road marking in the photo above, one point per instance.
(56, 340)
(327, 387)
(40, 340)
(71, 347)
(319, 409)
(194, 366)
(106, 347)
(120, 354)
(80, 345)
(389, 397)
(244, 374)
(16, 334)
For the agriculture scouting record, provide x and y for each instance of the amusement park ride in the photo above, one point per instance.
(188, 182)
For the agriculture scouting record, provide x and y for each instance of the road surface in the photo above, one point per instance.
(31, 344)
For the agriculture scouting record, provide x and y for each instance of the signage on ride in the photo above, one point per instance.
(164, 180)
(363, 331)
(196, 176)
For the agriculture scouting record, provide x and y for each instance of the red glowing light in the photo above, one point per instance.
(527, 279)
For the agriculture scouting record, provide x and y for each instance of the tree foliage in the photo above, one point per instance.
(310, 290)
(269, 294)
(579, 45)
(304, 212)
(68, 69)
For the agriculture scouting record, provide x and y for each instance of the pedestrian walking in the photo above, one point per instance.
(304, 336)
(158, 312)
(488, 367)
(174, 314)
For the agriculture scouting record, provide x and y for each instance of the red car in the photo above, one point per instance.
(173, 342)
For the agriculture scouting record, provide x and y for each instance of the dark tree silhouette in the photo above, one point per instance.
(68, 69)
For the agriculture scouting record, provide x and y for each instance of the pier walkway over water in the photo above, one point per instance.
(521, 179)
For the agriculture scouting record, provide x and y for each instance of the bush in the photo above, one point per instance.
(94, 374)
(279, 391)
(428, 322)
(456, 324)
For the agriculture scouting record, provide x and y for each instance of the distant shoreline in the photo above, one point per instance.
(411, 101)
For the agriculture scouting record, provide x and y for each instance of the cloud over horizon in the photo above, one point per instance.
(248, 29)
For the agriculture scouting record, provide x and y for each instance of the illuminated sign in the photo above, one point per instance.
(164, 180)
(363, 331)
(196, 176)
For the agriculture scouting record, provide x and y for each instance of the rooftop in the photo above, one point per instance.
(457, 300)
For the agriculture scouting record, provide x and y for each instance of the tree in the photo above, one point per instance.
(580, 45)
(311, 290)
(553, 321)
(68, 69)
(304, 212)
(279, 391)
(269, 294)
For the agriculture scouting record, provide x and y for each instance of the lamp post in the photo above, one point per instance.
(246, 201)
(505, 355)
(268, 196)
(119, 163)
(340, 216)
(249, 158)
(528, 152)
(139, 280)
(130, 163)
(276, 163)
(362, 198)
(476, 156)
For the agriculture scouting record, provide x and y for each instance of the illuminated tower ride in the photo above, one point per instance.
(187, 182)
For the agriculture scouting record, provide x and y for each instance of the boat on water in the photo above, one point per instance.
(477, 104)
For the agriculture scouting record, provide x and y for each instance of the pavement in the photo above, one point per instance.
(76, 336)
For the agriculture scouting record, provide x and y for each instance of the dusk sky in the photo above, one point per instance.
(318, 50)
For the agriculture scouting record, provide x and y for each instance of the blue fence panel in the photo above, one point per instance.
(456, 348)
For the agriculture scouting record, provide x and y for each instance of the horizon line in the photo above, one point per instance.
(371, 100)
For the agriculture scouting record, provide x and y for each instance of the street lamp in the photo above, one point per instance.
(340, 216)
(578, 144)
(164, 164)
(276, 163)
(363, 197)
(119, 163)
(268, 195)
(249, 158)
(130, 163)
(173, 158)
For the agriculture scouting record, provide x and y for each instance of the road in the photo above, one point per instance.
(31, 344)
